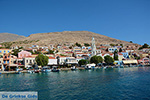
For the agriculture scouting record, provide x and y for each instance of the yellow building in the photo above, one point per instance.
(4, 51)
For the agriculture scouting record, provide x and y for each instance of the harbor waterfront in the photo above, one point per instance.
(116, 84)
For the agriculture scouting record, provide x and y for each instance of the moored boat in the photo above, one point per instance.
(46, 69)
(73, 68)
(54, 69)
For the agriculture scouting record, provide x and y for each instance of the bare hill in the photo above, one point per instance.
(7, 37)
(44, 39)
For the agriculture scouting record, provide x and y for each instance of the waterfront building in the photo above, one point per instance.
(29, 61)
(120, 56)
(144, 61)
(1, 63)
(61, 60)
(6, 60)
(130, 62)
(52, 61)
(71, 61)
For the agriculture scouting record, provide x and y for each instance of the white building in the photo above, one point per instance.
(29, 61)
(52, 61)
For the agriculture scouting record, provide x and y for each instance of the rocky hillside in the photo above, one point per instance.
(7, 37)
(44, 39)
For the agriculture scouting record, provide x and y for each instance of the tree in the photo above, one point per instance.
(96, 59)
(41, 60)
(145, 45)
(70, 47)
(108, 59)
(77, 44)
(86, 44)
(106, 50)
(115, 55)
(120, 50)
(50, 51)
(121, 45)
(131, 42)
(7, 45)
(15, 52)
(112, 45)
(82, 62)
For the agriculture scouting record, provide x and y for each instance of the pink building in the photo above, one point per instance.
(23, 54)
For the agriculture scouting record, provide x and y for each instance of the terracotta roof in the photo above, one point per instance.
(29, 57)
(52, 58)
(120, 54)
(82, 53)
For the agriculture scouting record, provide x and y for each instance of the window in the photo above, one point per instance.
(27, 61)
(30, 61)
(0, 51)
(4, 51)
(8, 51)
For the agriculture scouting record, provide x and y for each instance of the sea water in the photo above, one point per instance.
(110, 84)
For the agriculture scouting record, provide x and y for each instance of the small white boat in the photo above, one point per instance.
(73, 68)
(90, 66)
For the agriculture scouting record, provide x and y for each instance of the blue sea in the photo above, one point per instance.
(110, 84)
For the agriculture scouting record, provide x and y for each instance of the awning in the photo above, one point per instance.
(130, 62)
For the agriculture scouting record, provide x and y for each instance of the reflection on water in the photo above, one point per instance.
(118, 83)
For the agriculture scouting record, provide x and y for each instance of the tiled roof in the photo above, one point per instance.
(52, 58)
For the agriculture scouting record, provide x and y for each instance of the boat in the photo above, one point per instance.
(18, 70)
(36, 70)
(105, 67)
(46, 69)
(54, 69)
(73, 68)
(90, 66)
(121, 66)
(30, 71)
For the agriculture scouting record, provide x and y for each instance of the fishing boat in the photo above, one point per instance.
(54, 69)
(46, 69)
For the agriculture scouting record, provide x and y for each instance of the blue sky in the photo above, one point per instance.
(121, 19)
